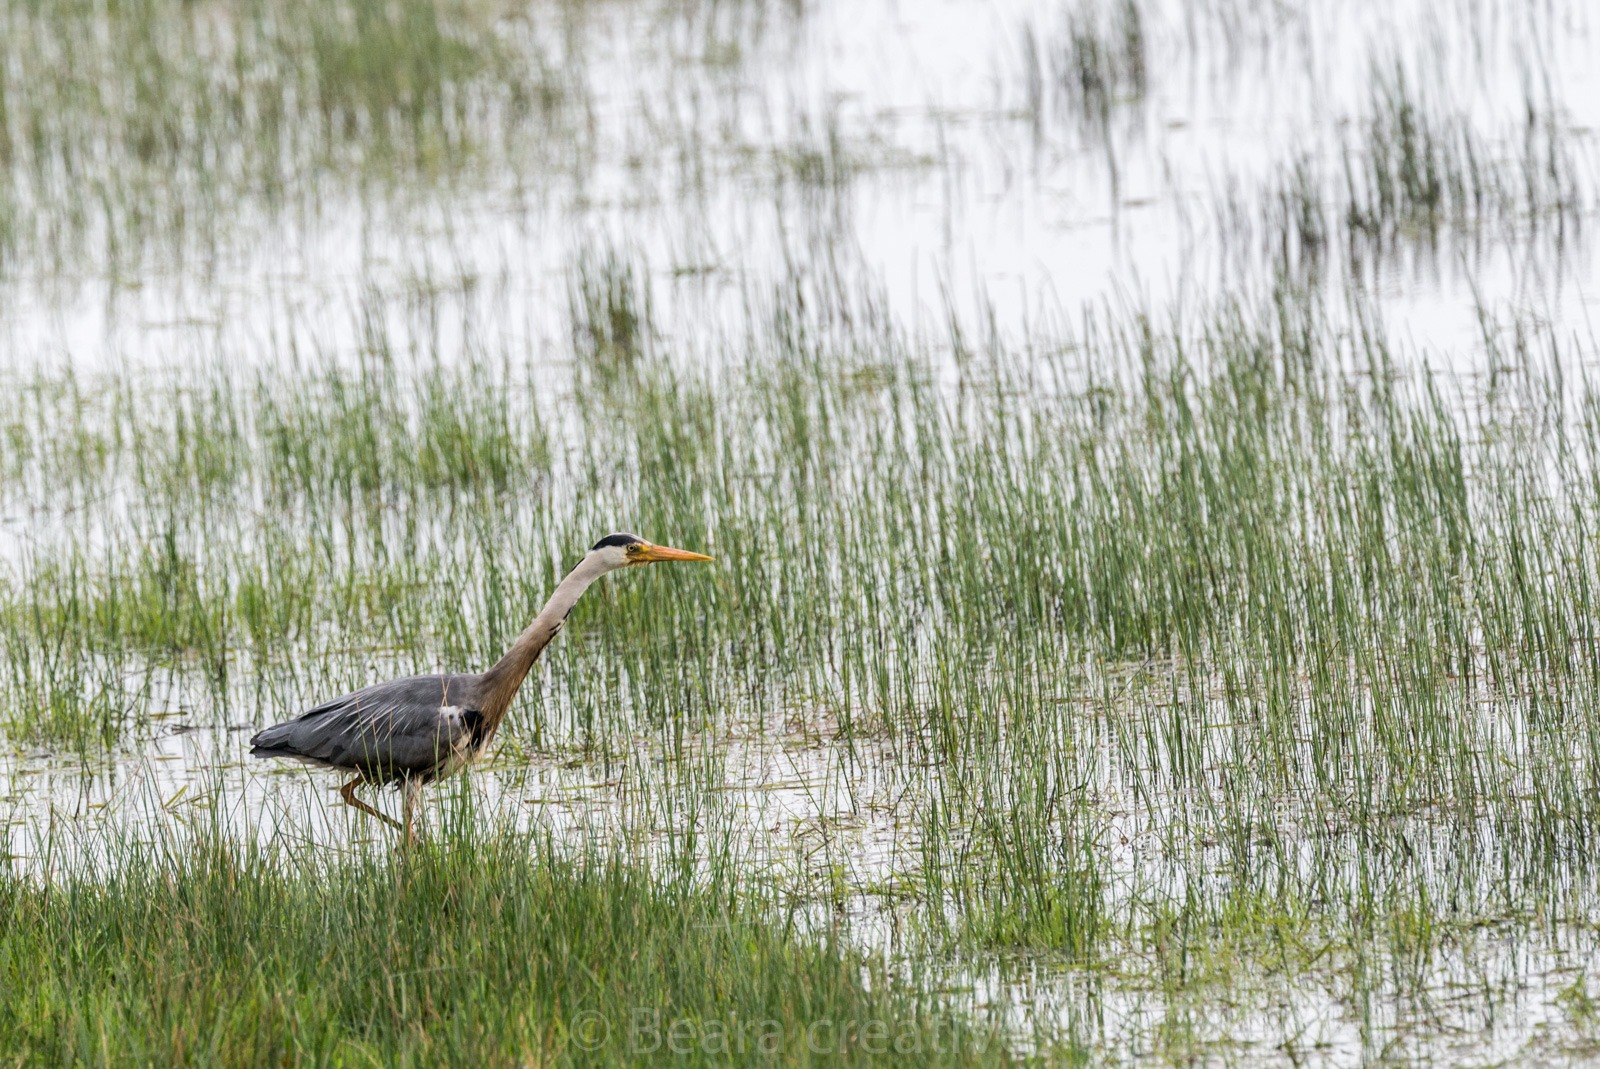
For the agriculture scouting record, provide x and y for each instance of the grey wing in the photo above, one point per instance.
(385, 731)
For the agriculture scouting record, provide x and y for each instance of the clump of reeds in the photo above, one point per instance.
(132, 124)
(479, 947)
(1417, 170)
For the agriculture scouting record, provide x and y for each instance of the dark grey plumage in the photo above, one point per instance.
(420, 728)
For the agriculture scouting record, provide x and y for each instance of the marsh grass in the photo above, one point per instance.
(1260, 584)
(1419, 169)
(1090, 66)
(481, 947)
(1102, 62)
(1198, 654)
(609, 310)
(1415, 178)
(151, 122)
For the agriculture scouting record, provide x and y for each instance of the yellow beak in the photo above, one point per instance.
(652, 553)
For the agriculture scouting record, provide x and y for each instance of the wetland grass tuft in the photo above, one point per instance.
(482, 947)
(1413, 176)
(150, 123)
(1103, 60)
(1418, 171)
(609, 312)
(1095, 64)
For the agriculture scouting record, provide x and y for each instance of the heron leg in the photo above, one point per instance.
(348, 793)
(413, 788)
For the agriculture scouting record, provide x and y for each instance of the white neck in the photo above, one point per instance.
(501, 681)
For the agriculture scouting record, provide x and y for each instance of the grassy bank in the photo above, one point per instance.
(477, 949)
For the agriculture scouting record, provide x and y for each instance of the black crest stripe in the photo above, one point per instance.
(620, 539)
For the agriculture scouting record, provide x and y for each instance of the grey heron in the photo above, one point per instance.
(413, 731)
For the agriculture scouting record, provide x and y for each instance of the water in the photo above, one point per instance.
(908, 145)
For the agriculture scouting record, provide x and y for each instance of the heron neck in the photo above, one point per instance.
(501, 682)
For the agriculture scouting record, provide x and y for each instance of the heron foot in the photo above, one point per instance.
(348, 793)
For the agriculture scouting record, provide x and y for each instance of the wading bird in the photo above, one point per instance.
(410, 732)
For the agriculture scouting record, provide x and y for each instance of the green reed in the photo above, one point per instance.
(489, 947)
(1272, 579)
(149, 123)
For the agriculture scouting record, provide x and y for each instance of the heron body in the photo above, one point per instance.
(420, 729)
(424, 727)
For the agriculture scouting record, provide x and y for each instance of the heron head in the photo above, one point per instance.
(623, 549)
